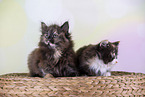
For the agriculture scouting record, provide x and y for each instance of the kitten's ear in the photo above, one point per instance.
(116, 43)
(43, 25)
(104, 43)
(65, 26)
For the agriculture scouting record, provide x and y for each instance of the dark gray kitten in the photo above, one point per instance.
(55, 54)
(97, 60)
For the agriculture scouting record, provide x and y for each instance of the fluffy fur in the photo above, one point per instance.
(55, 54)
(97, 60)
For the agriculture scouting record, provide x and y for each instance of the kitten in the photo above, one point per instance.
(55, 54)
(97, 60)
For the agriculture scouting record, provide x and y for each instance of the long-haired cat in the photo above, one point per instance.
(97, 60)
(55, 54)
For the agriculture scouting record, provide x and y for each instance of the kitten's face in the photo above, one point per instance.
(55, 36)
(108, 51)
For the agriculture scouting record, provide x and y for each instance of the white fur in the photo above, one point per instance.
(57, 54)
(96, 64)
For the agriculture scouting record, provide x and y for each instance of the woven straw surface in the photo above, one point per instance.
(119, 84)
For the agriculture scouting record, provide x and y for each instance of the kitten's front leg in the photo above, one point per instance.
(44, 67)
(107, 74)
(48, 76)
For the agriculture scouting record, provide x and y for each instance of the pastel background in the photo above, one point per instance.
(90, 22)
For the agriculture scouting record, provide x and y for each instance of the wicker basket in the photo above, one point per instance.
(119, 84)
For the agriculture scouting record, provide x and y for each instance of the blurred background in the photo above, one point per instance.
(91, 21)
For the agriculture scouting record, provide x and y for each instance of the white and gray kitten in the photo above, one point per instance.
(97, 60)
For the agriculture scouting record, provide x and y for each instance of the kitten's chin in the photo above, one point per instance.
(50, 45)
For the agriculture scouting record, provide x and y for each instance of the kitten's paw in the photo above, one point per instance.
(48, 76)
(107, 74)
